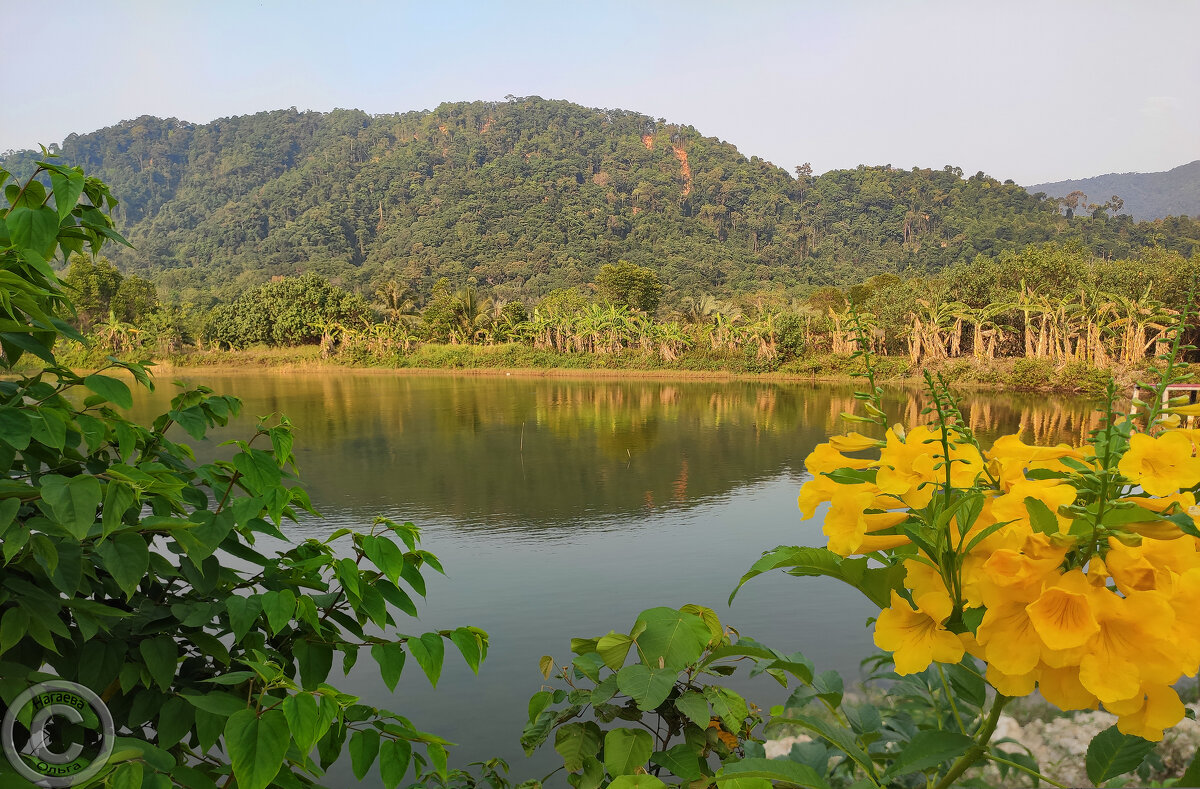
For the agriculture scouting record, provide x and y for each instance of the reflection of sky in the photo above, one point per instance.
(533, 592)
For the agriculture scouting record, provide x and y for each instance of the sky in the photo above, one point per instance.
(1032, 91)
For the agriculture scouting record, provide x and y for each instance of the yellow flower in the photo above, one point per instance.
(847, 524)
(906, 469)
(927, 585)
(1160, 465)
(1062, 614)
(1012, 684)
(1014, 457)
(1061, 687)
(817, 491)
(1051, 492)
(854, 442)
(1132, 646)
(1154, 708)
(824, 459)
(916, 638)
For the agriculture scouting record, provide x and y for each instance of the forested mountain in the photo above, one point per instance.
(1145, 195)
(528, 195)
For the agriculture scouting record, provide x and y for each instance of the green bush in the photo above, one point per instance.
(1030, 374)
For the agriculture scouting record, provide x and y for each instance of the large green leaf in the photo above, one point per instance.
(111, 389)
(649, 687)
(67, 186)
(695, 707)
(928, 749)
(683, 761)
(613, 648)
(15, 427)
(1112, 753)
(394, 756)
(837, 736)
(256, 746)
(390, 657)
(625, 750)
(670, 639)
(72, 501)
(576, 741)
(728, 705)
(783, 770)
(364, 747)
(161, 655)
(876, 583)
(429, 652)
(33, 228)
(126, 558)
(303, 714)
(642, 781)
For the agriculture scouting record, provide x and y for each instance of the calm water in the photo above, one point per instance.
(562, 508)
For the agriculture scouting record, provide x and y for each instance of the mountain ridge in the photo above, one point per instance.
(1146, 196)
(529, 195)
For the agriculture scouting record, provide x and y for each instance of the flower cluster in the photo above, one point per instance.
(1075, 571)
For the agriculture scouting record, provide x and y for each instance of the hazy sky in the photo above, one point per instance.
(1033, 91)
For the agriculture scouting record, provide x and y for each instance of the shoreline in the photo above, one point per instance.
(259, 367)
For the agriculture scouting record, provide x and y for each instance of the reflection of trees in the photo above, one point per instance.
(536, 452)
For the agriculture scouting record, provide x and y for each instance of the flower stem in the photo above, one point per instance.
(979, 749)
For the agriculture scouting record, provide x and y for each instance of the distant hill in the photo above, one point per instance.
(528, 195)
(1147, 195)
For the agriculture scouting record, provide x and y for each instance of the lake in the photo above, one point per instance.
(564, 507)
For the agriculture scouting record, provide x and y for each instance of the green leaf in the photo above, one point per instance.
(394, 756)
(256, 746)
(390, 656)
(683, 761)
(364, 747)
(126, 558)
(67, 186)
(649, 687)
(470, 644)
(174, 721)
(1040, 516)
(33, 228)
(15, 427)
(695, 707)
(928, 749)
(783, 770)
(575, 741)
(613, 648)
(161, 656)
(259, 470)
(625, 750)
(13, 627)
(385, 555)
(876, 583)
(728, 705)
(836, 736)
(429, 652)
(128, 775)
(643, 781)
(1191, 776)
(111, 389)
(118, 498)
(217, 703)
(670, 639)
(303, 715)
(73, 502)
(1112, 753)
(243, 612)
(279, 606)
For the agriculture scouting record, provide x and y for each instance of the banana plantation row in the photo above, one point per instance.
(1051, 303)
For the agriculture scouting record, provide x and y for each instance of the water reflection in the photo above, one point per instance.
(541, 452)
(562, 508)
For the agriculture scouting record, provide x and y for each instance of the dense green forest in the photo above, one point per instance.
(523, 197)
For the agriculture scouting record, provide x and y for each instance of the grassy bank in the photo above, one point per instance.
(1013, 374)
